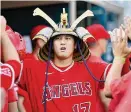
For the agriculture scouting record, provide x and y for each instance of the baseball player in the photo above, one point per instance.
(121, 92)
(11, 67)
(97, 47)
(19, 43)
(37, 40)
(23, 102)
(120, 87)
(67, 81)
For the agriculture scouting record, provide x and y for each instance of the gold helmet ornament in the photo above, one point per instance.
(64, 18)
(64, 28)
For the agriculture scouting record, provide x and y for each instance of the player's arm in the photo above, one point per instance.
(21, 97)
(21, 104)
(3, 98)
(119, 87)
(13, 107)
(24, 104)
(8, 50)
(120, 51)
(12, 99)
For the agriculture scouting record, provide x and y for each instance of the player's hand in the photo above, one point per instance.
(119, 43)
(3, 97)
(83, 33)
(127, 23)
(3, 25)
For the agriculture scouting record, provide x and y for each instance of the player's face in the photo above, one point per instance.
(103, 45)
(63, 46)
(40, 42)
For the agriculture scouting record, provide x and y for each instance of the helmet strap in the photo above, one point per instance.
(92, 75)
(46, 77)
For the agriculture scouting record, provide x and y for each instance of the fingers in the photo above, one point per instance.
(3, 20)
(113, 35)
(117, 35)
(127, 22)
(126, 36)
(130, 49)
(123, 27)
(3, 23)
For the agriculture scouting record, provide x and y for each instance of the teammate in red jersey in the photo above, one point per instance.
(120, 87)
(19, 43)
(99, 44)
(121, 92)
(7, 81)
(37, 40)
(63, 83)
(37, 43)
(11, 67)
(98, 47)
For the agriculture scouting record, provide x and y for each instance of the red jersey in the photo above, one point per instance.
(7, 76)
(100, 106)
(9, 71)
(28, 56)
(121, 92)
(26, 103)
(126, 67)
(11, 96)
(70, 89)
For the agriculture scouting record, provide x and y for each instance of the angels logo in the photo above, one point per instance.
(67, 90)
(7, 76)
(5, 71)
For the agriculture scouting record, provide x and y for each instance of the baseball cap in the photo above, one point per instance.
(98, 32)
(35, 30)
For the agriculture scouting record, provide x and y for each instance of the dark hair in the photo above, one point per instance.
(34, 44)
(74, 37)
(90, 45)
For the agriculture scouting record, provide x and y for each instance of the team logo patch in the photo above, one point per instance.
(67, 90)
(5, 71)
